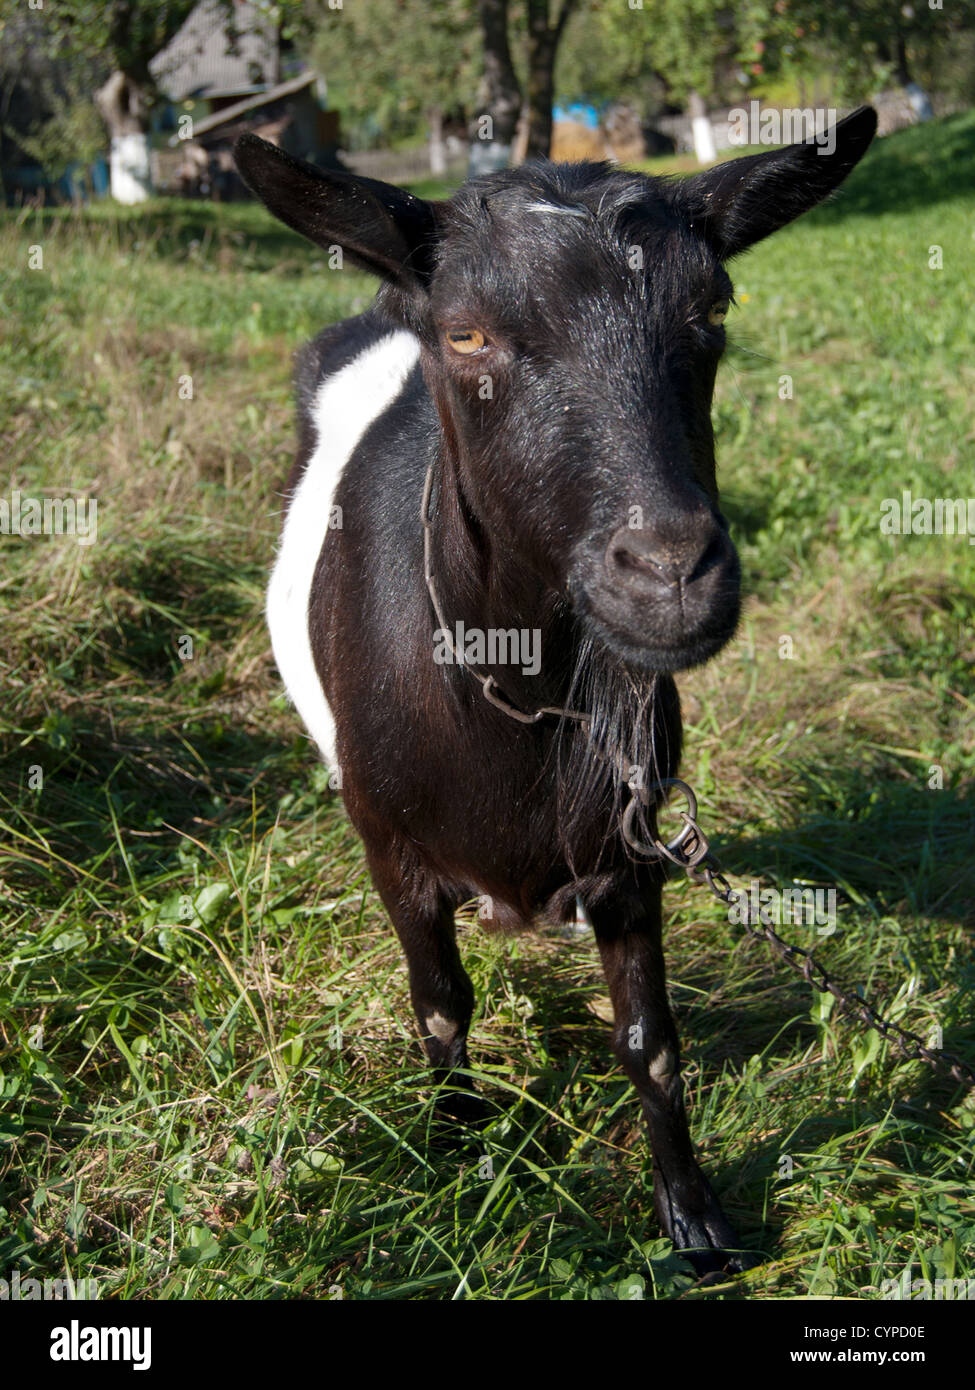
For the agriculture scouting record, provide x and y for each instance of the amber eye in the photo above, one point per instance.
(718, 312)
(465, 340)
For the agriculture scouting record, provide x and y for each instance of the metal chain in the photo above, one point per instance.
(702, 867)
(691, 851)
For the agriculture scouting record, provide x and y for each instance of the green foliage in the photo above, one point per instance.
(436, 61)
(863, 39)
(128, 33)
(74, 134)
(670, 47)
(59, 124)
(664, 49)
(854, 50)
(607, 54)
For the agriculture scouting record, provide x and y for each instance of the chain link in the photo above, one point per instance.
(702, 867)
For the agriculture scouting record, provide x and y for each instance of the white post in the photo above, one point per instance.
(131, 180)
(438, 152)
(701, 131)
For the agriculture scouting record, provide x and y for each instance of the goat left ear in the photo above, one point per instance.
(739, 203)
(381, 228)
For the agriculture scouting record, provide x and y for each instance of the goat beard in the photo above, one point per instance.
(632, 741)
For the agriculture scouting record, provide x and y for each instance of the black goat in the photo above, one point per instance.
(536, 376)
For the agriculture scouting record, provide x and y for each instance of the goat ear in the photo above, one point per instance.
(382, 229)
(739, 203)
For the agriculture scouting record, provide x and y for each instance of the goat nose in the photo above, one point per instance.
(664, 555)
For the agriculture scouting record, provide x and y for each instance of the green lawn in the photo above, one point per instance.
(211, 1084)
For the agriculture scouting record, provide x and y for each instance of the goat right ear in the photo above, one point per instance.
(738, 203)
(382, 229)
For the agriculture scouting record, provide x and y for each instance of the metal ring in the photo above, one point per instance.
(666, 849)
(689, 816)
(626, 829)
(686, 792)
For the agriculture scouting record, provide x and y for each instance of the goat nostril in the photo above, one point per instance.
(625, 559)
(633, 555)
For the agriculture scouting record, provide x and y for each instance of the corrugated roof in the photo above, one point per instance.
(201, 61)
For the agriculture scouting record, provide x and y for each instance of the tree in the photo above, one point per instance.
(544, 37)
(392, 65)
(606, 55)
(127, 34)
(46, 110)
(682, 53)
(696, 36)
(689, 43)
(876, 41)
(69, 141)
(492, 129)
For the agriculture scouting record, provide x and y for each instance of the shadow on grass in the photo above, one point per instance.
(899, 847)
(147, 724)
(142, 784)
(913, 168)
(892, 850)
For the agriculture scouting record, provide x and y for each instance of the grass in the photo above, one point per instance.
(211, 1085)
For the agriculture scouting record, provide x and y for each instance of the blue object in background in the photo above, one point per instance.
(77, 183)
(578, 111)
(99, 177)
(71, 185)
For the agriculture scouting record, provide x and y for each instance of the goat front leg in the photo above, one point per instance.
(440, 988)
(645, 1042)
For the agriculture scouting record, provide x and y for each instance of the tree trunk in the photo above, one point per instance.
(124, 107)
(541, 80)
(438, 151)
(701, 131)
(492, 128)
(543, 43)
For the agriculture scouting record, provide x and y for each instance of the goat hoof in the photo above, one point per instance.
(708, 1240)
(714, 1256)
(712, 1266)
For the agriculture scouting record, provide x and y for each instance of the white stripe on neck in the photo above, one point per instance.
(345, 405)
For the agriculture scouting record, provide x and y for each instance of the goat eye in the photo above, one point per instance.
(718, 312)
(465, 340)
